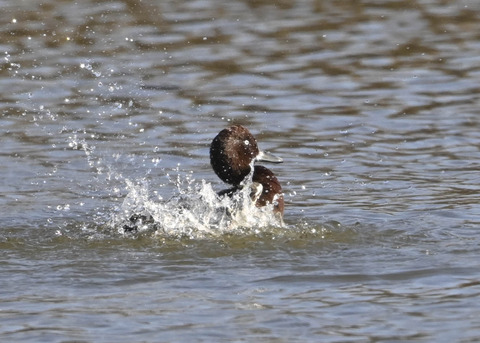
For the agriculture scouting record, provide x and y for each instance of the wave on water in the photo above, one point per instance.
(194, 211)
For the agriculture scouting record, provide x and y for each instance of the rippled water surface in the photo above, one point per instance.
(109, 107)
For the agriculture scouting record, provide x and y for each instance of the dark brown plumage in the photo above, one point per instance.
(232, 154)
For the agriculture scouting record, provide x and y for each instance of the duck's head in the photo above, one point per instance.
(233, 152)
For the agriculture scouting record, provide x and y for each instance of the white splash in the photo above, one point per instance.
(194, 211)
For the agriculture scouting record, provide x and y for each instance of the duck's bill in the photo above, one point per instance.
(268, 157)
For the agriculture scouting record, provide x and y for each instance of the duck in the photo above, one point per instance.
(233, 153)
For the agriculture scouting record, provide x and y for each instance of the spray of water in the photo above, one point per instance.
(194, 211)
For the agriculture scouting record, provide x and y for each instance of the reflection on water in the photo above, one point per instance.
(372, 104)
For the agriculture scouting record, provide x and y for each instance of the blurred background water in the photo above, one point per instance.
(373, 105)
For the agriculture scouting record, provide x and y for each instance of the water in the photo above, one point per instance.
(110, 107)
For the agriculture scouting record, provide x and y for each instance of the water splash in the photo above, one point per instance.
(128, 202)
(194, 211)
(89, 67)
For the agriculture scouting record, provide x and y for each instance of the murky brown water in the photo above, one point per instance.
(374, 106)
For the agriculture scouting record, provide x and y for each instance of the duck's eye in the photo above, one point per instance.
(246, 142)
